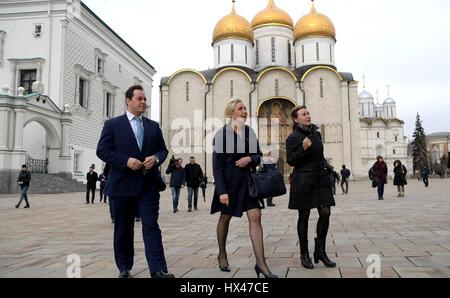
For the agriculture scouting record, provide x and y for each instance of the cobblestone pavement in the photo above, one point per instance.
(410, 235)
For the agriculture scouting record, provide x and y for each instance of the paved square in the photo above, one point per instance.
(410, 235)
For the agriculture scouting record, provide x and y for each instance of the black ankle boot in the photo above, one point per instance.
(321, 255)
(304, 256)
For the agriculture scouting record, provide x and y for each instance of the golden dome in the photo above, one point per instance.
(272, 15)
(314, 24)
(233, 26)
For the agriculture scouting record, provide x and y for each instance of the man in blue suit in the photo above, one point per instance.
(134, 147)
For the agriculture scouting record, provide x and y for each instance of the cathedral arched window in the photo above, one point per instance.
(246, 55)
(317, 51)
(187, 91)
(277, 87)
(331, 54)
(303, 54)
(289, 53)
(218, 55)
(321, 88)
(322, 132)
(231, 89)
(378, 134)
(257, 52)
(232, 53)
(273, 49)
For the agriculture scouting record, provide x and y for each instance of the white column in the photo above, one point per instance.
(65, 136)
(64, 24)
(18, 138)
(12, 89)
(4, 128)
(346, 125)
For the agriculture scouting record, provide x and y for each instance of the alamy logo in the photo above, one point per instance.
(74, 269)
(374, 269)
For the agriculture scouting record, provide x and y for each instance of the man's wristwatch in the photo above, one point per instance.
(157, 160)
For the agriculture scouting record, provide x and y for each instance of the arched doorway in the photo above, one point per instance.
(274, 127)
(42, 146)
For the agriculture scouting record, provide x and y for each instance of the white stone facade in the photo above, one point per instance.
(71, 43)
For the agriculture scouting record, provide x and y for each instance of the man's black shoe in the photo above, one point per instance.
(162, 274)
(125, 274)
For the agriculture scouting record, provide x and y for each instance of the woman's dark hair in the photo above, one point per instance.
(379, 157)
(397, 162)
(294, 113)
(130, 91)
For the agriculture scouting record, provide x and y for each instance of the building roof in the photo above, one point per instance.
(438, 135)
(115, 34)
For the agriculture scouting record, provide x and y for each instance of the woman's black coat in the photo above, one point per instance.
(229, 179)
(310, 183)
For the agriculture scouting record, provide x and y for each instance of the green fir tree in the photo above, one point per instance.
(419, 151)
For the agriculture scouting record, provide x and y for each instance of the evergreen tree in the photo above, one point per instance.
(419, 151)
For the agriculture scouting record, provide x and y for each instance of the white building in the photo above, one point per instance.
(382, 133)
(273, 66)
(80, 69)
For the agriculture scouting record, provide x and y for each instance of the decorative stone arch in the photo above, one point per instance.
(231, 69)
(321, 67)
(394, 120)
(264, 72)
(184, 71)
(52, 133)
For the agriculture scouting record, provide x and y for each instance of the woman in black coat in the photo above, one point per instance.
(380, 172)
(236, 151)
(400, 178)
(311, 187)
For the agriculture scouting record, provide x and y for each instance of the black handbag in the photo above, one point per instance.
(266, 183)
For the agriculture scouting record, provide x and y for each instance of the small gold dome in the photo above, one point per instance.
(314, 24)
(272, 15)
(233, 26)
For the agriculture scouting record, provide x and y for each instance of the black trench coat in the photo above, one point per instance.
(310, 184)
(230, 179)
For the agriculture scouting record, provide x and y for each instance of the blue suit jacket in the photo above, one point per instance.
(117, 144)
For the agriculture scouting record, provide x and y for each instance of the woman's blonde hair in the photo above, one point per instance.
(229, 109)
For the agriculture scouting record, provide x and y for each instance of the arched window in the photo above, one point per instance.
(246, 55)
(277, 87)
(322, 132)
(321, 87)
(331, 54)
(218, 55)
(232, 53)
(303, 54)
(273, 49)
(317, 51)
(187, 91)
(289, 53)
(378, 134)
(231, 89)
(257, 52)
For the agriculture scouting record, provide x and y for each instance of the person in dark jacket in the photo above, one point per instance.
(91, 178)
(345, 174)
(425, 173)
(203, 186)
(24, 182)
(102, 178)
(400, 172)
(236, 151)
(194, 174)
(177, 180)
(380, 172)
(334, 177)
(311, 187)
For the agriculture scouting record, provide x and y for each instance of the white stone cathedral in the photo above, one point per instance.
(273, 66)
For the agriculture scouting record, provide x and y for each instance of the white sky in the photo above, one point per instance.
(401, 43)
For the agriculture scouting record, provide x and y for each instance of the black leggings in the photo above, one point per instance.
(322, 225)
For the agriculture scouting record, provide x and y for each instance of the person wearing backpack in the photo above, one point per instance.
(345, 174)
(400, 178)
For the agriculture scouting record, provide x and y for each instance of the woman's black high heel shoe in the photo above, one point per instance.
(268, 275)
(223, 268)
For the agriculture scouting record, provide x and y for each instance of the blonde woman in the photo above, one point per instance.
(236, 151)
